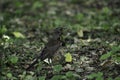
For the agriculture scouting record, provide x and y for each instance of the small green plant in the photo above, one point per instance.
(37, 4)
(96, 76)
(57, 77)
(105, 56)
(42, 78)
(13, 59)
(3, 30)
(57, 68)
(10, 76)
(112, 53)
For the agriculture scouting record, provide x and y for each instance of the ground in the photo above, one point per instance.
(92, 38)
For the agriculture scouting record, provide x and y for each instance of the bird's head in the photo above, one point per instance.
(58, 32)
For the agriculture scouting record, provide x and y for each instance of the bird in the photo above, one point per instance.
(54, 43)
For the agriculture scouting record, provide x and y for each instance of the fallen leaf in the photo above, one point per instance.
(68, 57)
(18, 35)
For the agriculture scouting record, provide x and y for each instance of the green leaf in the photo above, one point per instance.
(56, 77)
(18, 35)
(37, 4)
(91, 76)
(116, 58)
(106, 10)
(18, 4)
(109, 78)
(57, 68)
(117, 78)
(99, 76)
(9, 75)
(79, 16)
(13, 59)
(105, 56)
(3, 29)
(68, 57)
(29, 77)
(80, 33)
(42, 78)
(69, 74)
(115, 49)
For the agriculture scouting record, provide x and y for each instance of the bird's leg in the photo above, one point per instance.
(50, 62)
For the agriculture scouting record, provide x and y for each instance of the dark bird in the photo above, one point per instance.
(54, 43)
